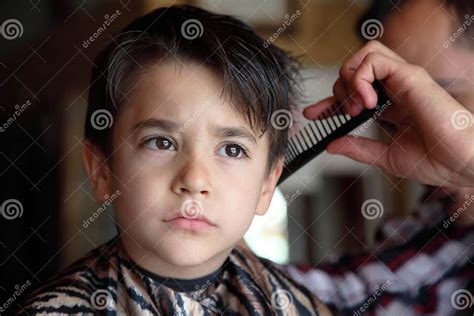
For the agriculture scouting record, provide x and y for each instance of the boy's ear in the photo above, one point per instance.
(269, 186)
(97, 170)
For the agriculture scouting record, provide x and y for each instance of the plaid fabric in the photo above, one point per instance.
(427, 269)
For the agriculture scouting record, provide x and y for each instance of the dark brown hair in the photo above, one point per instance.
(258, 77)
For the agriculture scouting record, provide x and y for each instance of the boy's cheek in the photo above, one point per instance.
(146, 176)
(136, 170)
(135, 162)
(141, 191)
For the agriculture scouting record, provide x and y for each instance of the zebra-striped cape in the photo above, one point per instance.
(107, 282)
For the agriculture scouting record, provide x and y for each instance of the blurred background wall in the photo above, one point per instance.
(44, 77)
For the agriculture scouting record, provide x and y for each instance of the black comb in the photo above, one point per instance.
(332, 123)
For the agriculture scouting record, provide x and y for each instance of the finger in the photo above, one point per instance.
(363, 150)
(374, 66)
(353, 63)
(350, 103)
(340, 92)
(352, 106)
(312, 112)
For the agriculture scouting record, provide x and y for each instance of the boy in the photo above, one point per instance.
(189, 150)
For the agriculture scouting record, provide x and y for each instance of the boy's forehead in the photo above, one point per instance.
(186, 111)
(183, 95)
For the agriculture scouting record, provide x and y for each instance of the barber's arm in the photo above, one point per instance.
(434, 138)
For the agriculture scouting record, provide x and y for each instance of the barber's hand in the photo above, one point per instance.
(434, 138)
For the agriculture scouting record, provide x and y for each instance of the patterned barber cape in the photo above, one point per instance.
(107, 282)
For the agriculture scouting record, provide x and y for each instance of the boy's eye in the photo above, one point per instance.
(159, 143)
(234, 151)
(162, 143)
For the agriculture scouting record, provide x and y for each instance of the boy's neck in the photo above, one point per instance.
(149, 261)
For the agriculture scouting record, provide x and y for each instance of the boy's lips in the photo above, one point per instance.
(192, 223)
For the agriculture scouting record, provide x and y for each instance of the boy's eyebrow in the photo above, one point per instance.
(220, 131)
(163, 124)
(241, 132)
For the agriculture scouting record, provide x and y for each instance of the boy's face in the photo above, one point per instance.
(192, 169)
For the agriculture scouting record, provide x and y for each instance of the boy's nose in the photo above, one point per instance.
(193, 180)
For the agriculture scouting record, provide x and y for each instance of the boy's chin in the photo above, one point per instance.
(190, 253)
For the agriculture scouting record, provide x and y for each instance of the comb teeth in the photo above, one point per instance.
(313, 138)
(314, 132)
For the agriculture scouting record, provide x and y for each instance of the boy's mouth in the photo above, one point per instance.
(194, 224)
